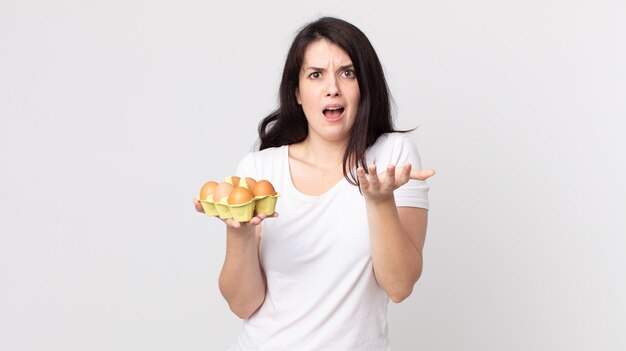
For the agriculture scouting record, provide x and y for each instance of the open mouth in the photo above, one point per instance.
(333, 112)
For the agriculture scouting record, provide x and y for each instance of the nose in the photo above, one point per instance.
(333, 87)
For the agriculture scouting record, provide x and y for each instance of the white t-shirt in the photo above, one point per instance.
(321, 291)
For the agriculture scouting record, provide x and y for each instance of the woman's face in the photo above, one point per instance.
(328, 91)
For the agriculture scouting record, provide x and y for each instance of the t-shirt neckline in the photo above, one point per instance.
(335, 188)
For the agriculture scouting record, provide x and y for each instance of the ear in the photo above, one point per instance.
(298, 96)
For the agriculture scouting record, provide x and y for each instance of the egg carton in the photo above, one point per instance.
(242, 212)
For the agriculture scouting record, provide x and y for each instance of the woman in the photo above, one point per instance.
(348, 239)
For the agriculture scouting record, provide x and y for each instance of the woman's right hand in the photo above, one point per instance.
(254, 221)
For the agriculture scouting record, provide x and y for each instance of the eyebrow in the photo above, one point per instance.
(323, 69)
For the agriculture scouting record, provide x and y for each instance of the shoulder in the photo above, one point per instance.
(395, 138)
(392, 148)
(256, 163)
(265, 155)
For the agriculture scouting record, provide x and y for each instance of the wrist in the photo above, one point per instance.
(380, 200)
(242, 233)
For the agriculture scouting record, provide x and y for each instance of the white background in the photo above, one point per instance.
(113, 113)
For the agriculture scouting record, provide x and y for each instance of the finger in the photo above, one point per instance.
(422, 174)
(373, 176)
(255, 220)
(260, 217)
(232, 223)
(405, 174)
(360, 173)
(390, 178)
(198, 205)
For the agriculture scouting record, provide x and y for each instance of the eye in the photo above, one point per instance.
(315, 75)
(349, 73)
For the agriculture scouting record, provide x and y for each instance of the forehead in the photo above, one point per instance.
(323, 52)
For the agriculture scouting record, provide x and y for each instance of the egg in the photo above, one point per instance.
(239, 195)
(263, 188)
(234, 180)
(248, 183)
(207, 189)
(222, 190)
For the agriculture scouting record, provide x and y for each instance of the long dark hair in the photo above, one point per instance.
(288, 125)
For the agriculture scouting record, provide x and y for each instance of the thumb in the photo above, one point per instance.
(422, 174)
(198, 205)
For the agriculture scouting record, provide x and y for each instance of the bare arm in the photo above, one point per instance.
(397, 234)
(242, 281)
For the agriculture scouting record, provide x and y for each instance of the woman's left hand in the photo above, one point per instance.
(381, 186)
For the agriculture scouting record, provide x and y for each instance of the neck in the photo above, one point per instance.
(322, 153)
